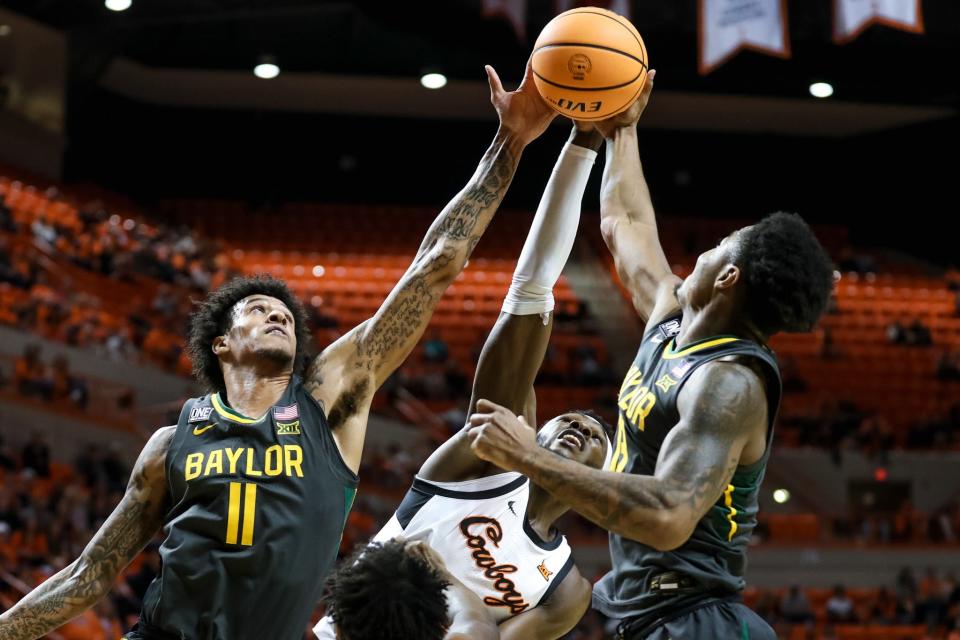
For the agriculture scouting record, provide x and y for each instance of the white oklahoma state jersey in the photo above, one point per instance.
(480, 529)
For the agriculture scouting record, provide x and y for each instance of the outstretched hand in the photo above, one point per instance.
(522, 112)
(629, 117)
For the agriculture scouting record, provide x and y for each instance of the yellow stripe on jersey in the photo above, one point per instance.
(728, 501)
(233, 513)
(232, 415)
(249, 514)
(670, 354)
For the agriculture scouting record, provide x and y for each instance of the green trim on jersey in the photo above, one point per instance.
(228, 413)
(671, 354)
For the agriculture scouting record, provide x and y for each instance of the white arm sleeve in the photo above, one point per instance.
(551, 235)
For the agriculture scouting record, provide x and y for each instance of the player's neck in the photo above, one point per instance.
(714, 320)
(543, 510)
(250, 392)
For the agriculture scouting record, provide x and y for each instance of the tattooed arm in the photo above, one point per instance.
(723, 423)
(87, 579)
(344, 377)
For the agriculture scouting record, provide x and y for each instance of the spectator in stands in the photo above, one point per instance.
(906, 584)
(30, 375)
(884, 609)
(165, 302)
(932, 603)
(897, 333)
(115, 470)
(795, 607)
(840, 606)
(875, 437)
(36, 455)
(44, 231)
(948, 366)
(918, 334)
(67, 387)
(435, 349)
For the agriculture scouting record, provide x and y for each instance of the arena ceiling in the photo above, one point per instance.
(402, 39)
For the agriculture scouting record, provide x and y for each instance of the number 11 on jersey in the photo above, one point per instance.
(249, 513)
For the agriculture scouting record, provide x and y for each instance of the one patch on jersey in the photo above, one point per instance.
(681, 369)
(288, 428)
(286, 413)
(666, 382)
(670, 328)
(200, 414)
(546, 573)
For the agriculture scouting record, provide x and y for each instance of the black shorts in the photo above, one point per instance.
(711, 620)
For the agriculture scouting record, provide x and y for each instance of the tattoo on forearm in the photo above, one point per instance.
(445, 250)
(77, 587)
(696, 463)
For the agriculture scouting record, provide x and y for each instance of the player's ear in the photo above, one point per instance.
(729, 275)
(220, 345)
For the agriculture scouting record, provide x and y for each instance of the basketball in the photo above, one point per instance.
(589, 63)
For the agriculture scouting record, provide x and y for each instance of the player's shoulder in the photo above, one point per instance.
(159, 442)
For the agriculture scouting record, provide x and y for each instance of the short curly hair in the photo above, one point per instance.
(214, 318)
(788, 275)
(382, 592)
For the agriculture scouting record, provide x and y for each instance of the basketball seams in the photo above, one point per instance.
(607, 88)
(590, 46)
(574, 12)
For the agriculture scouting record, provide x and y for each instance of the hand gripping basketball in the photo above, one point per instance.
(629, 117)
(522, 112)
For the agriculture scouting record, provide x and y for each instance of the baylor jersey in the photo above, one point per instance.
(715, 555)
(258, 509)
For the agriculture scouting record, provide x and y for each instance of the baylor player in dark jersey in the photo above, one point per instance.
(696, 411)
(252, 486)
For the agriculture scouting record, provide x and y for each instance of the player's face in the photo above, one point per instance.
(698, 287)
(577, 437)
(264, 327)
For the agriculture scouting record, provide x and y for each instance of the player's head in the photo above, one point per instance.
(579, 435)
(775, 272)
(249, 319)
(384, 592)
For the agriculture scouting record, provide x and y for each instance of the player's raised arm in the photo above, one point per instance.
(721, 408)
(627, 219)
(347, 373)
(513, 352)
(87, 579)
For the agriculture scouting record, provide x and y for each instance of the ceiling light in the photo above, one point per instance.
(821, 90)
(433, 80)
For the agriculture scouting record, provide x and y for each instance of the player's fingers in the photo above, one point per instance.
(496, 88)
(485, 406)
(478, 419)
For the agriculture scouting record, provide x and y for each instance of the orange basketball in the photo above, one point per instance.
(589, 63)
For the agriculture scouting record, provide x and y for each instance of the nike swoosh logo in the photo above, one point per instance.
(198, 430)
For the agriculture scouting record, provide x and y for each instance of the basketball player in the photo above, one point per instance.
(402, 590)
(495, 530)
(253, 485)
(697, 407)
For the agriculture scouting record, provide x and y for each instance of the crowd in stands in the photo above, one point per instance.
(53, 382)
(48, 513)
(840, 426)
(931, 602)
